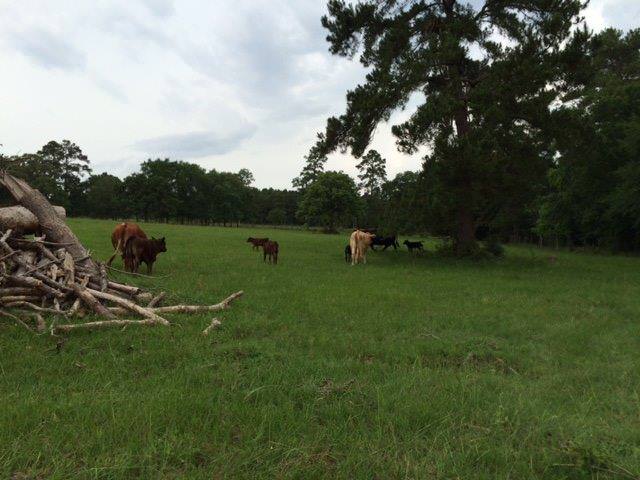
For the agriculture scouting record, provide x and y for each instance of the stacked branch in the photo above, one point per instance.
(54, 275)
(41, 277)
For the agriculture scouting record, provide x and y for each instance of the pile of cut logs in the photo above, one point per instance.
(51, 275)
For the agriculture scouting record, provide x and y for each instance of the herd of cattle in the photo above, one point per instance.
(130, 241)
(361, 240)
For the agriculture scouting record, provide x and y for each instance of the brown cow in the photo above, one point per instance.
(257, 242)
(270, 249)
(139, 250)
(359, 242)
(121, 235)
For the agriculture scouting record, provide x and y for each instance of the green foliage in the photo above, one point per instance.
(313, 168)
(373, 173)
(404, 204)
(277, 216)
(104, 196)
(331, 201)
(493, 246)
(593, 186)
(57, 170)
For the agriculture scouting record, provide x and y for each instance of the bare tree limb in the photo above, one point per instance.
(103, 324)
(215, 323)
(223, 305)
(145, 312)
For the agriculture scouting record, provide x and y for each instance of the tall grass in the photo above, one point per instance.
(408, 367)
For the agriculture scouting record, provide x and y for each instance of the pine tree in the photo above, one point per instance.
(373, 173)
(481, 95)
(314, 166)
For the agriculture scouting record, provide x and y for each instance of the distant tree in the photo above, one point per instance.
(313, 167)
(153, 190)
(104, 197)
(373, 173)
(246, 176)
(474, 102)
(404, 207)
(277, 216)
(331, 201)
(57, 170)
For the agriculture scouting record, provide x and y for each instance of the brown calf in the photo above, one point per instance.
(257, 242)
(138, 250)
(270, 249)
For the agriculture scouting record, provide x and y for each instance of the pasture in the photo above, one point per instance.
(407, 367)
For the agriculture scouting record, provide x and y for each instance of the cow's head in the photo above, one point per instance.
(160, 244)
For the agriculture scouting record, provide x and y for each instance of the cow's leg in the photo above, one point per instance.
(149, 268)
(264, 256)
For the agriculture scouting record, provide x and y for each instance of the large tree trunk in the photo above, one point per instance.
(51, 224)
(21, 220)
(466, 231)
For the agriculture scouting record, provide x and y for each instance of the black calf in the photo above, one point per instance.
(413, 245)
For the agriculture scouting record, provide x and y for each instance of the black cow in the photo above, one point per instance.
(347, 253)
(386, 241)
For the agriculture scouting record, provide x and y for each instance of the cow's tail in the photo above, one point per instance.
(118, 247)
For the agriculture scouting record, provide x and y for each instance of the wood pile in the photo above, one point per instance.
(53, 275)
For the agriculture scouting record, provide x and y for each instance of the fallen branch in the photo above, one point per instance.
(223, 305)
(145, 312)
(215, 323)
(34, 307)
(156, 300)
(103, 324)
(19, 298)
(91, 301)
(15, 319)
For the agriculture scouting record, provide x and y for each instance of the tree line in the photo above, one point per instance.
(166, 190)
(162, 190)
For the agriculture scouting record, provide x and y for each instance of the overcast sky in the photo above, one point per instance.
(226, 84)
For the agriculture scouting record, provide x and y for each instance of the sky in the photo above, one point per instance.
(227, 84)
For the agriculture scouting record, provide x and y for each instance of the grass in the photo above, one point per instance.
(404, 368)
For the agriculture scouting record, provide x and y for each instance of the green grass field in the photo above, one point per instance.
(402, 368)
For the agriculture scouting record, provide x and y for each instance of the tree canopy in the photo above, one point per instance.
(331, 201)
(480, 96)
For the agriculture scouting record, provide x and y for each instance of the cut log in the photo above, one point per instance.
(51, 224)
(22, 221)
(92, 302)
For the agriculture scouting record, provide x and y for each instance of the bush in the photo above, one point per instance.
(447, 248)
(495, 248)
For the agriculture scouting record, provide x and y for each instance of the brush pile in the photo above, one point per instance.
(53, 275)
